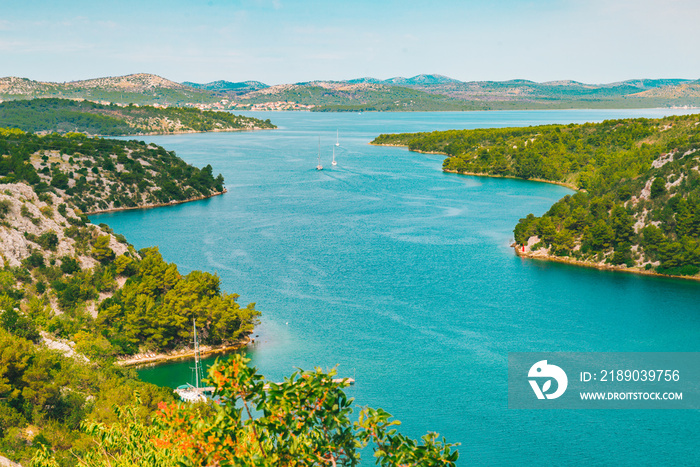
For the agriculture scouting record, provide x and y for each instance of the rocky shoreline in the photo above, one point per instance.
(479, 174)
(144, 359)
(158, 205)
(541, 180)
(543, 255)
(186, 132)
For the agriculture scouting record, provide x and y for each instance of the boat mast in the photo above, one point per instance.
(196, 355)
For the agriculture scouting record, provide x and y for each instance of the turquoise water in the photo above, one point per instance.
(402, 275)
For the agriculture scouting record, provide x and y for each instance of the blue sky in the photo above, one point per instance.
(284, 41)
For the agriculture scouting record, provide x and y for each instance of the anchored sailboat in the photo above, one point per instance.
(193, 392)
(334, 162)
(337, 140)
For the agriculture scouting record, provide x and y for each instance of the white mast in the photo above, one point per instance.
(196, 355)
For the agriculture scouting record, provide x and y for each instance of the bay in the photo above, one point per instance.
(403, 277)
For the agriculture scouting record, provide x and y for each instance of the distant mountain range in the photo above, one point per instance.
(422, 92)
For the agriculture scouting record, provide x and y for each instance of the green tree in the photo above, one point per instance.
(101, 250)
(303, 421)
(601, 236)
(658, 187)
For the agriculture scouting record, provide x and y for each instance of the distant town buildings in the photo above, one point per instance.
(226, 104)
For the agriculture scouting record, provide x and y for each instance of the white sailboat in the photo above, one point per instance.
(319, 166)
(194, 392)
(334, 162)
(337, 140)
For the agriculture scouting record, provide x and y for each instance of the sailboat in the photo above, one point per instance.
(319, 166)
(194, 392)
(334, 162)
(337, 140)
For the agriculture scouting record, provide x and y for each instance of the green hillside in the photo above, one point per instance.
(98, 174)
(63, 116)
(639, 181)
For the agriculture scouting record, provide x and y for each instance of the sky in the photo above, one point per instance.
(287, 41)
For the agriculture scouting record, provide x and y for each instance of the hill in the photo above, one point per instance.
(63, 115)
(437, 92)
(366, 96)
(97, 174)
(229, 87)
(141, 88)
(421, 92)
(638, 207)
(74, 296)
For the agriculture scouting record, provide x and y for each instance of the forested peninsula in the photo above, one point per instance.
(65, 115)
(638, 202)
(75, 298)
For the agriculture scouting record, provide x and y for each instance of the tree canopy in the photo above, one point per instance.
(638, 203)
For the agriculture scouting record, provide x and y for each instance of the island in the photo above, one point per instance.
(52, 115)
(637, 205)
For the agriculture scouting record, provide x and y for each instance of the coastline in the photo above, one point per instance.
(589, 264)
(410, 150)
(541, 180)
(546, 256)
(182, 354)
(185, 132)
(480, 174)
(157, 205)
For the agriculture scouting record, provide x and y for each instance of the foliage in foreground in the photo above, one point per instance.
(45, 396)
(304, 421)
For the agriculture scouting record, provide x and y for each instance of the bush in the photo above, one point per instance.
(69, 265)
(35, 260)
(5, 206)
(658, 187)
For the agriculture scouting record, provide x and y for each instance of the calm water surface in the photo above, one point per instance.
(402, 276)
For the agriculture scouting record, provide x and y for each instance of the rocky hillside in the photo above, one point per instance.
(41, 224)
(139, 88)
(678, 91)
(139, 82)
(74, 296)
(96, 174)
